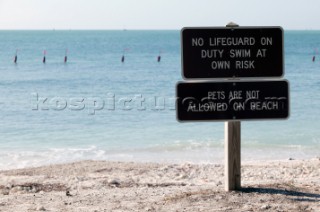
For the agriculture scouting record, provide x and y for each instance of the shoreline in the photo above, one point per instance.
(32, 159)
(291, 185)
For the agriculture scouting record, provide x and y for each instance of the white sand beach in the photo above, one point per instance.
(292, 185)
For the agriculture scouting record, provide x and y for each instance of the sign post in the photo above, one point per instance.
(232, 53)
(232, 150)
(232, 155)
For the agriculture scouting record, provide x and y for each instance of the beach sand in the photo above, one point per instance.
(292, 185)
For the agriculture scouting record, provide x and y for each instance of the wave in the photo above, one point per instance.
(22, 159)
(179, 151)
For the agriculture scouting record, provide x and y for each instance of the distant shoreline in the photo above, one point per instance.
(28, 159)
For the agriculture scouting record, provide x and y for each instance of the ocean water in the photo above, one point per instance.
(96, 107)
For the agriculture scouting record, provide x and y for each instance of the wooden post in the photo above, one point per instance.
(232, 155)
(232, 150)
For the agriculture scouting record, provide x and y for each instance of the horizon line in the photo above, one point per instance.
(132, 29)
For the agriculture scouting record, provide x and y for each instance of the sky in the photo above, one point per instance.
(157, 14)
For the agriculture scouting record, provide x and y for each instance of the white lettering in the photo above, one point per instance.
(246, 64)
(197, 42)
(261, 53)
(216, 95)
(220, 65)
(231, 41)
(235, 53)
(235, 95)
(266, 41)
(252, 94)
(238, 106)
(267, 105)
(213, 53)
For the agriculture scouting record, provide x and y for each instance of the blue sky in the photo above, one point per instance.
(156, 14)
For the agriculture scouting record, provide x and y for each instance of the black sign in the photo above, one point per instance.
(232, 100)
(232, 52)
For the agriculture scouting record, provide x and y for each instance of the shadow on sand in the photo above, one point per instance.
(297, 195)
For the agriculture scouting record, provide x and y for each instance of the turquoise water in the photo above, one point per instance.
(99, 108)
